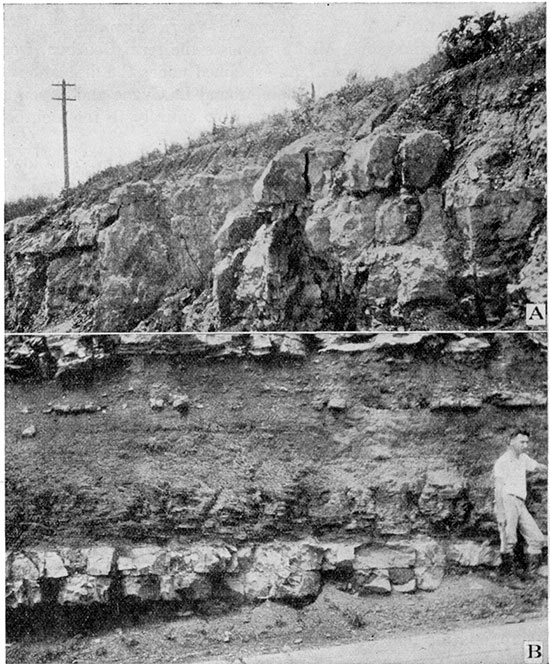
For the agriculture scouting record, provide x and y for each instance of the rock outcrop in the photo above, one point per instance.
(414, 207)
(291, 572)
(363, 405)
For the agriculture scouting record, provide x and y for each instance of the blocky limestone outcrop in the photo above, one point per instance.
(284, 571)
(419, 209)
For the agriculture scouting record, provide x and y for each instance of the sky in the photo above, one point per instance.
(148, 75)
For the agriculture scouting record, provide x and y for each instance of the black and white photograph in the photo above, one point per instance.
(275, 338)
(274, 167)
(276, 498)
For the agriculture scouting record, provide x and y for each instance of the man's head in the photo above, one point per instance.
(519, 441)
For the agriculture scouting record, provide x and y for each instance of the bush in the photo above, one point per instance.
(474, 38)
(25, 207)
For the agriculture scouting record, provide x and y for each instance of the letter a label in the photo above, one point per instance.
(535, 314)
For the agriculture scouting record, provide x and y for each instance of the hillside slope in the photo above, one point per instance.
(416, 202)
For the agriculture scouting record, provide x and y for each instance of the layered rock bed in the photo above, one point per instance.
(248, 467)
(288, 571)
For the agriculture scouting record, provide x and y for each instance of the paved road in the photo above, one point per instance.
(491, 644)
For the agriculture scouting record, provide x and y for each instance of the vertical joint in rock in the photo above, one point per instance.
(307, 183)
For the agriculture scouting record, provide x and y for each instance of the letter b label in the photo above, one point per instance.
(532, 652)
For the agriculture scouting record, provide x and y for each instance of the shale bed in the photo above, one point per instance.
(179, 498)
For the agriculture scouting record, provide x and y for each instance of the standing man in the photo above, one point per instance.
(510, 492)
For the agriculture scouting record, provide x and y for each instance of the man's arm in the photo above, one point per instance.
(533, 465)
(499, 501)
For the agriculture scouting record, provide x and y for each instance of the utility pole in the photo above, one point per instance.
(64, 99)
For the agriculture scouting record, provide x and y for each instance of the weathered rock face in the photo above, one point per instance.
(292, 572)
(377, 435)
(259, 466)
(426, 212)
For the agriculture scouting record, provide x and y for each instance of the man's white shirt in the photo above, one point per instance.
(512, 471)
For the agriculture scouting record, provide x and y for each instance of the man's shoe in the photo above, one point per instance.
(533, 563)
(507, 572)
(506, 568)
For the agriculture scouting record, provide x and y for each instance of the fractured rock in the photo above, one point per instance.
(440, 497)
(181, 403)
(239, 226)
(397, 220)
(53, 566)
(345, 226)
(339, 555)
(81, 589)
(291, 345)
(370, 163)
(390, 556)
(99, 560)
(423, 155)
(300, 170)
(468, 345)
(473, 554)
(429, 565)
(22, 580)
(506, 399)
(408, 587)
(280, 571)
(375, 581)
(337, 404)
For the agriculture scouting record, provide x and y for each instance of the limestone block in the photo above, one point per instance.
(469, 553)
(408, 587)
(345, 225)
(423, 156)
(338, 555)
(53, 566)
(22, 579)
(84, 589)
(430, 563)
(261, 345)
(280, 571)
(99, 560)
(139, 561)
(533, 275)
(206, 559)
(392, 555)
(508, 399)
(376, 581)
(283, 180)
(145, 587)
(398, 219)
(441, 489)
(468, 345)
(370, 163)
(291, 345)
(241, 223)
(429, 578)
(337, 403)
(181, 585)
(301, 170)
